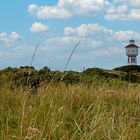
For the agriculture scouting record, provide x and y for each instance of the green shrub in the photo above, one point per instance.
(130, 77)
(71, 78)
(100, 73)
(129, 68)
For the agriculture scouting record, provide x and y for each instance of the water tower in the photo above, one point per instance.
(132, 52)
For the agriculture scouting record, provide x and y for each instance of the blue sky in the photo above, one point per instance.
(104, 27)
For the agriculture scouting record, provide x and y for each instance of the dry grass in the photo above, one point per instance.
(74, 112)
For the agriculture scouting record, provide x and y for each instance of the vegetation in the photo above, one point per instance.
(129, 68)
(95, 104)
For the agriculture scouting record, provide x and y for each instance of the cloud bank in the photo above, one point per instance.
(112, 10)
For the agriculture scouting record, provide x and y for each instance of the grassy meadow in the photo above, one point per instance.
(80, 111)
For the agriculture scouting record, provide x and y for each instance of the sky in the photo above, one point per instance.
(103, 27)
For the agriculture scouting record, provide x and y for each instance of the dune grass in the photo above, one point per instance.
(72, 112)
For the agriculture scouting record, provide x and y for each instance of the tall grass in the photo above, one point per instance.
(77, 112)
(70, 112)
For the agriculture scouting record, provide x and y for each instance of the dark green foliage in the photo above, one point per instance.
(27, 67)
(24, 78)
(28, 76)
(9, 69)
(129, 68)
(131, 73)
(71, 77)
(44, 70)
(94, 71)
(130, 77)
(100, 73)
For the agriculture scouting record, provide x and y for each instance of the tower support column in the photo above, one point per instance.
(132, 60)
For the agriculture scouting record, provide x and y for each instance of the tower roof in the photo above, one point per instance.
(131, 46)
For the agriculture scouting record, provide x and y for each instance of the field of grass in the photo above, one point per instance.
(70, 112)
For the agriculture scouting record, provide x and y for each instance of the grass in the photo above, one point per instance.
(72, 112)
(98, 111)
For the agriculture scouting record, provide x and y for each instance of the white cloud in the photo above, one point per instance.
(55, 12)
(126, 35)
(134, 14)
(134, 3)
(122, 13)
(45, 12)
(39, 27)
(8, 38)
(95, 43)
(88, 30)
(95, 38)
(79, 7)
(33, 8)
(67, 8)
(118, 12)
(123, 10)
(112, 10)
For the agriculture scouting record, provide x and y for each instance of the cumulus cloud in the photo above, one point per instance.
(113, 10)
(126, 35)
(8, 38)
(45, 12)
(90, 36)
(122, 13)
(97, 39)
(123, 10)
(67, 8)
(134, 14)
(116, 12)
(39, 27)
(33, 8)
(68, 41)
(79, 7)
(88, 30)
(94, 35)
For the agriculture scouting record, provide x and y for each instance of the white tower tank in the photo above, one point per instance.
(132, 52)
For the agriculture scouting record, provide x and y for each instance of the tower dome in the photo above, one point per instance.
(132, 41)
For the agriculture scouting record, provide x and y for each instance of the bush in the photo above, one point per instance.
(130, 77)
(71, 78)
(100, 73)
(44, 70)
(129, 68)
(23, 78)
(94, 71)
